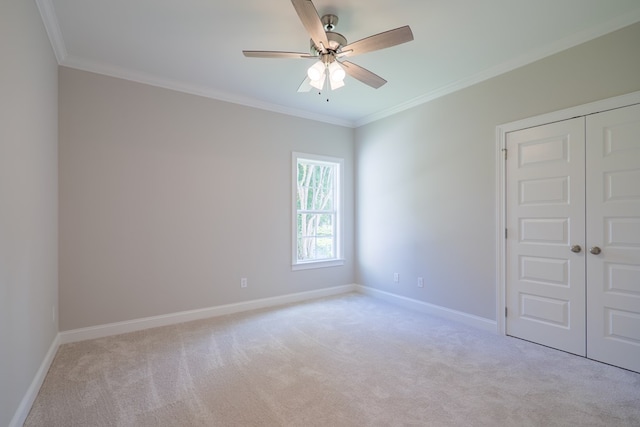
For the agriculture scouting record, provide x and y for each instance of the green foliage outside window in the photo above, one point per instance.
(316, 210)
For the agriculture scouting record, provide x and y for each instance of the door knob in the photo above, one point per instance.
(595, 250)
(576, 249)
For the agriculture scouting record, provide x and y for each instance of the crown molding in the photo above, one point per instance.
(52, 27)
(528, 58)
(153, 80)
(50, 20)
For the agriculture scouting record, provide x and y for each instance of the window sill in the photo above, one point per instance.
(317, 264)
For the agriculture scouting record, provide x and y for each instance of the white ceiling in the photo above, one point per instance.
(196, 46)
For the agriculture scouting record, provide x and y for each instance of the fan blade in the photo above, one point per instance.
(309, 16)
(378, 41)
(305, 86)
(362, 74)
(275, 54)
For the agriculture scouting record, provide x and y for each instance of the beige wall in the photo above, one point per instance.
(28, 200)
(426, 186)
(168, 199)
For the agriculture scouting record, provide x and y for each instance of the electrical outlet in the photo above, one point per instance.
(396, 277)
(243, 282)
(420, 282)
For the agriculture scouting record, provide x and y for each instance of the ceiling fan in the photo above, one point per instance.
(328, 47)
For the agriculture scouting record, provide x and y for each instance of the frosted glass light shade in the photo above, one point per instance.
(336, 73)
(316, 71)
(336, 84)
(318, 84)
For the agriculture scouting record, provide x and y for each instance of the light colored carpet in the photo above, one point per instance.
(346, 361)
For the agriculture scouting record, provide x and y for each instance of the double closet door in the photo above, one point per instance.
(573, 236)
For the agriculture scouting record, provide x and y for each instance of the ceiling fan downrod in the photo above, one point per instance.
(329, 22)
(336, 40)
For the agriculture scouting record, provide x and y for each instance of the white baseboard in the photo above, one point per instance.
(435, 310)
(32, 392)
(100, 331)
(169, 319)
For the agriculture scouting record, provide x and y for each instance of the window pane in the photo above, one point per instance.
(317, 208)
(316, 234)
(315, 186)
(313, 248)
(324, 248)
(316, 225)
(325, 225)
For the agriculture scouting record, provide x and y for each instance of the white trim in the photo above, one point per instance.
(101, 331)
(51, 25)
(500, 222)
(184, 87)
(339, 212)
(528, 58)
(501, 132)
(32, 392)
(577, 111)
(432, 309)
(310, 265)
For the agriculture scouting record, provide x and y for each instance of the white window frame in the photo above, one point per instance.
(338, 260)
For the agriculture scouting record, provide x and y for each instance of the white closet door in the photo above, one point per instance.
(613, 226)
(545, 291)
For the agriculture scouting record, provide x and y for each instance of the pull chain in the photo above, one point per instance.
(320, 93)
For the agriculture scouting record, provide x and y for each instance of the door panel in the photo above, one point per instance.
(554, 312)
(613, 225)
(550, 230)
(545, 217)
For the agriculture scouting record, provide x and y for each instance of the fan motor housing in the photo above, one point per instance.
(336, 41)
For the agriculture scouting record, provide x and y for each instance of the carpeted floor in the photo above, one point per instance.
(345, 361)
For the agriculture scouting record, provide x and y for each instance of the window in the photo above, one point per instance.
(317, 233)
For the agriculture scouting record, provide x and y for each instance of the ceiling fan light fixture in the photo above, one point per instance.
(329, 46)
(335, 84)
(318, 84)
(316, 72)
(336, 73)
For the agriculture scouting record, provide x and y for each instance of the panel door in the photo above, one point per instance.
(545, 294)
(613, 225)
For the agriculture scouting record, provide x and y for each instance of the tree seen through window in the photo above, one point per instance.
(316, 210)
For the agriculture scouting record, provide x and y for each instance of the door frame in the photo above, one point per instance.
(501, 183)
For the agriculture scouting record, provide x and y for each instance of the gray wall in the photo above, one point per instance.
(426, 177)
(28, 200)
(168, 199)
